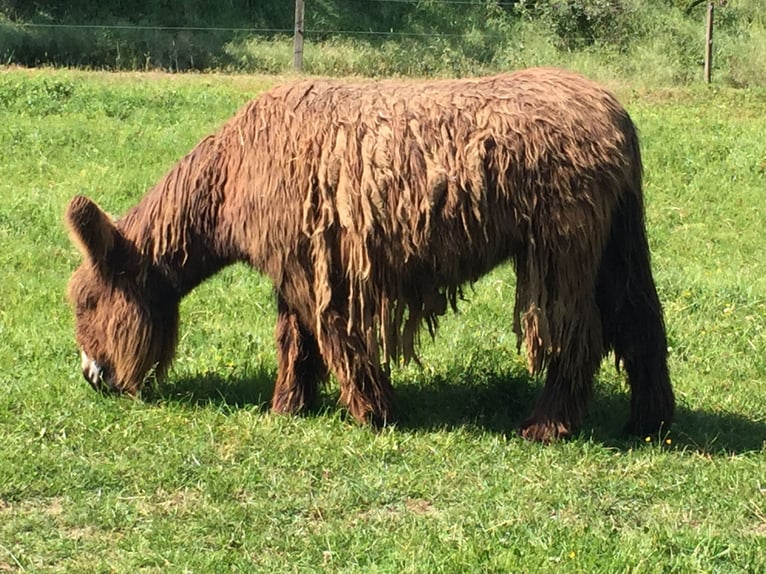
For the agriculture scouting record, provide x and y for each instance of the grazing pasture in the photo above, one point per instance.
(198, 476)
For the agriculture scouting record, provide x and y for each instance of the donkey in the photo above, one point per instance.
(369, 205)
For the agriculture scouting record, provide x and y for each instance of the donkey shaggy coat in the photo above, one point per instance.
(369, 205)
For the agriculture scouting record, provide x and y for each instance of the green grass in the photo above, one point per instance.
(200, 477)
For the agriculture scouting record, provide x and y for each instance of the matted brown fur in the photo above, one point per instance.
(369, 205)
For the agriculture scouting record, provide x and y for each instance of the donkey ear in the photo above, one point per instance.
(91, 229)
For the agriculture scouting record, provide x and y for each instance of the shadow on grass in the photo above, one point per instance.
(223, 392)
(500, 403)
(496, 402)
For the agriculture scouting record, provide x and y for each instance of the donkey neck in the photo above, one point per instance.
(175, 228)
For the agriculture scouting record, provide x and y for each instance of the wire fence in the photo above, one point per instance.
(439, 37)
(269, 30)
(126, 44)
(142, 27)
(250, 30)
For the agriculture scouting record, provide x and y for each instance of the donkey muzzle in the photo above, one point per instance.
(96, 374)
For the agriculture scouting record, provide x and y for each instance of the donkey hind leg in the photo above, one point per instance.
(365, 387)
(652, 404)
(568, 384)
(635, 329)
(301, 368)
(633, 325)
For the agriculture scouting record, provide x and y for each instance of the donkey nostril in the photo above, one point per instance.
(93, 383)
(95, 374)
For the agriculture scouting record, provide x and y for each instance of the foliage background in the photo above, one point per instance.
(661, 39)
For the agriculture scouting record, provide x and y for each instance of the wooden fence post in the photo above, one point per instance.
(298, 37)
(709, 43)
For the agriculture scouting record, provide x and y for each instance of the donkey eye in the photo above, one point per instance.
(85, 304)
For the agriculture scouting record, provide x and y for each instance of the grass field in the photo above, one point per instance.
(198, 476)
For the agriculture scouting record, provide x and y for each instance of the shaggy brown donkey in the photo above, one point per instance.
(369, 205)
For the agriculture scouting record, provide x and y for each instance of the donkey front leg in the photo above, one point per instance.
(365, 387)
(301, 369)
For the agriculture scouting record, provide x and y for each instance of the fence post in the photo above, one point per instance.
(709, 43)
(298, 37)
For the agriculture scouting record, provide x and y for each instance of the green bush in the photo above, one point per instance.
(580, 23)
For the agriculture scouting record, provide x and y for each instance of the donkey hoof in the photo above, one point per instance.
(545, 431)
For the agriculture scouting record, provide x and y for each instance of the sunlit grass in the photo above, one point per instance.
(199, 476)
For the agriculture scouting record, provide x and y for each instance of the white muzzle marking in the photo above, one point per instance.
(91, 370)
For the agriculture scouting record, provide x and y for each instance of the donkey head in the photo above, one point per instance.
(126, 315)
